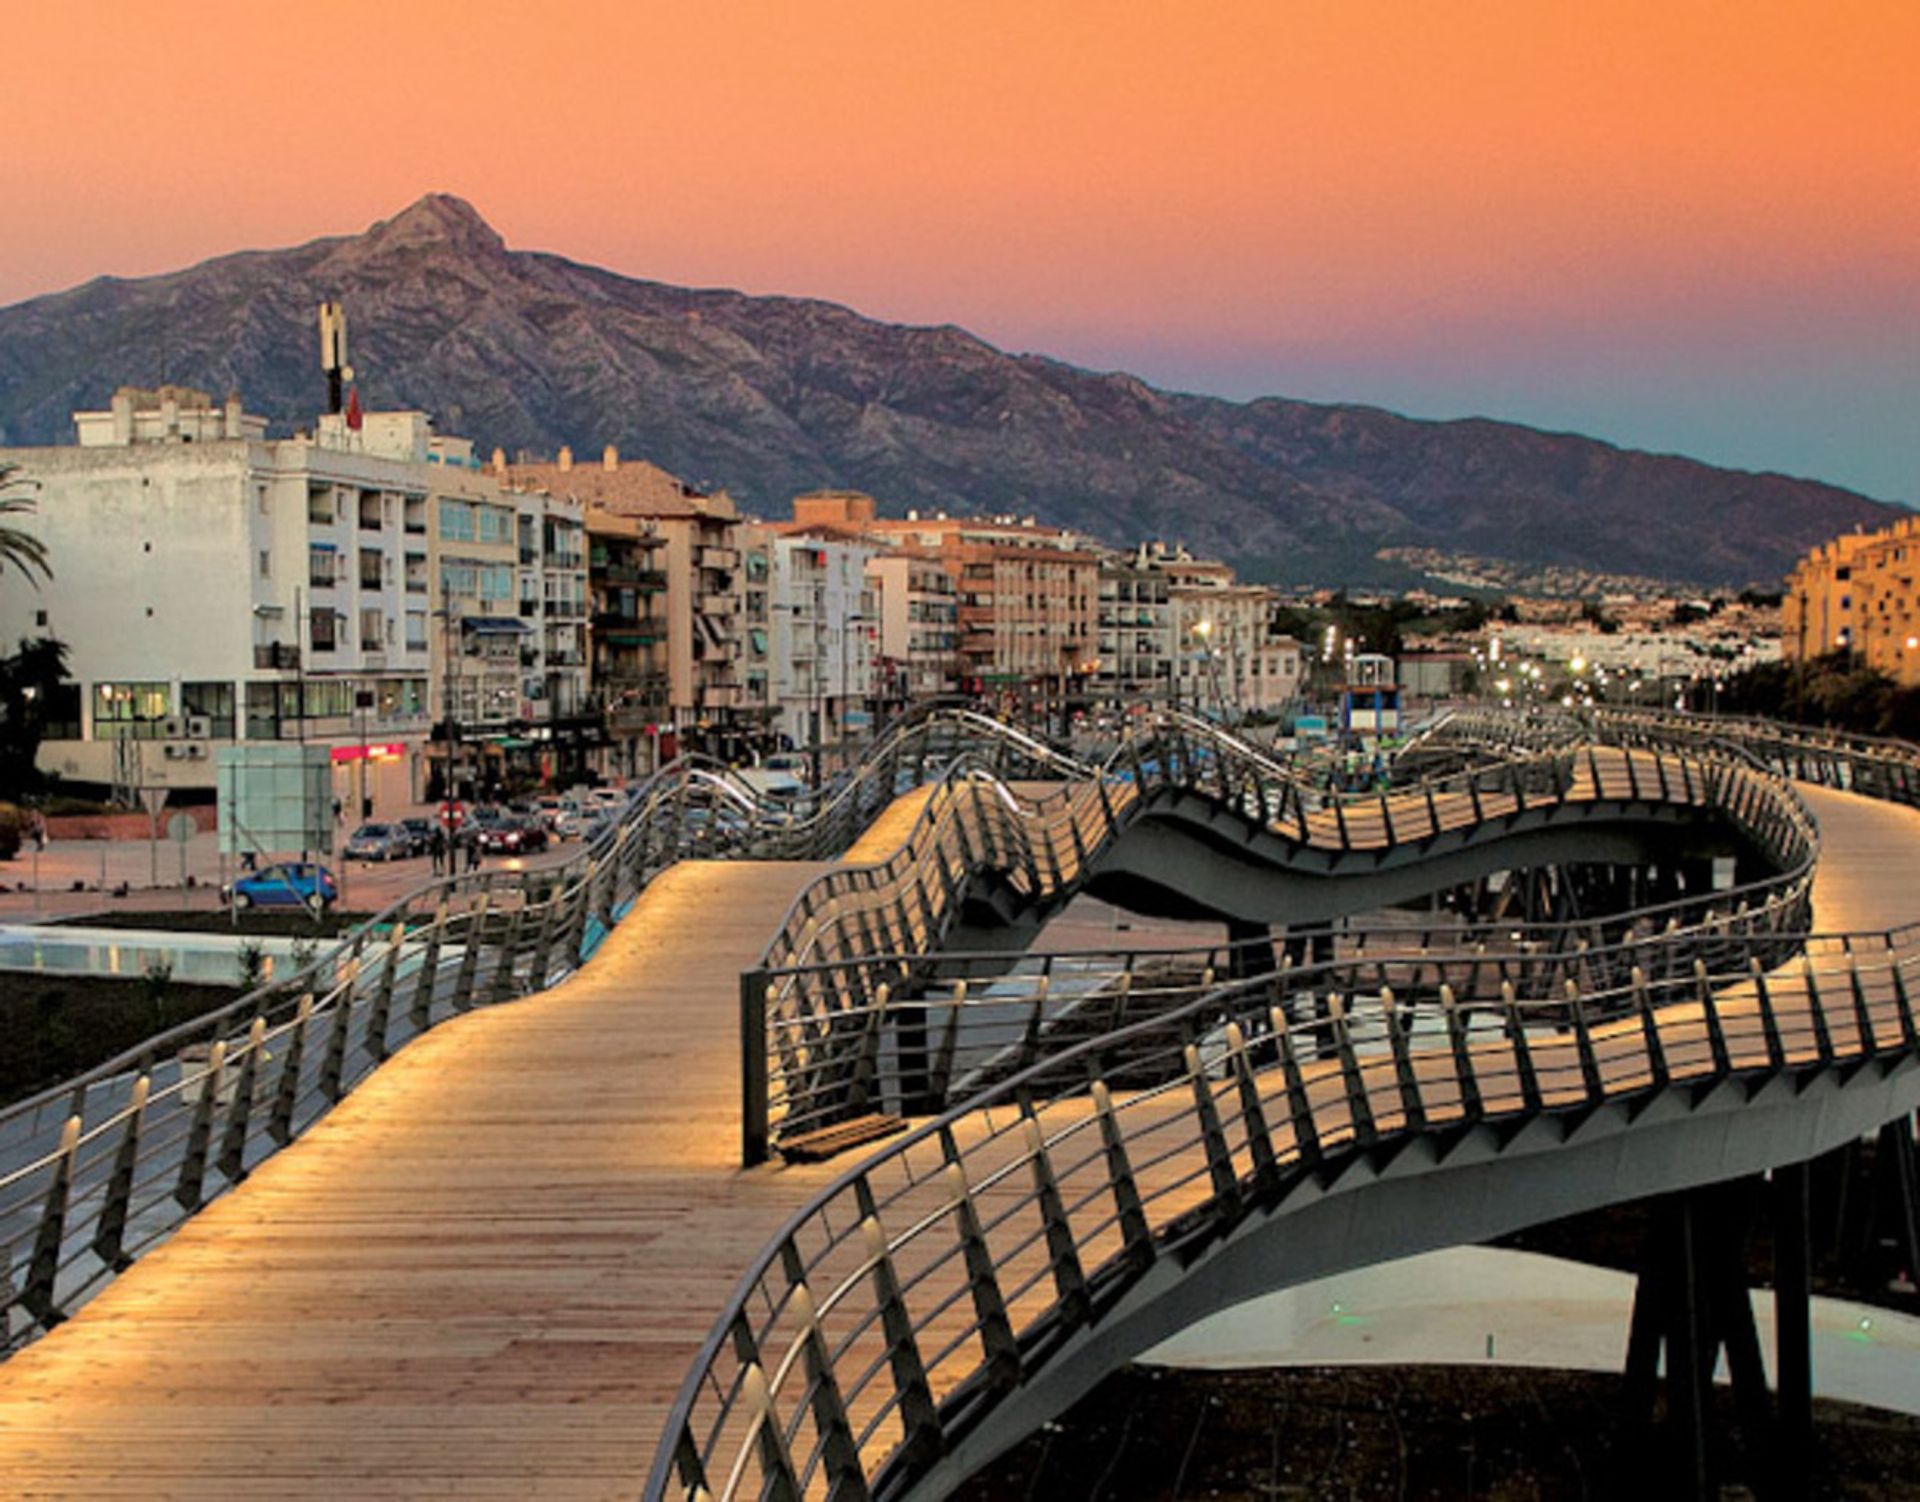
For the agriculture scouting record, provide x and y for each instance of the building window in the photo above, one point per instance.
(266, 564)
(456, 521)
(416, 631)
(320, 566)
(373, 634)
(369, 568)
(320, 506)
(495, 524)
(212, 702)
(130, 711)
(260, 492)
(320, 628)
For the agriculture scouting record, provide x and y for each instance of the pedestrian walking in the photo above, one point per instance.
(437, 848)
(473, 852)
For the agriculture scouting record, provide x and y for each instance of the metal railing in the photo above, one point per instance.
(822, 1015)
(908, 1299)
(897, 1308)
(101, 1167)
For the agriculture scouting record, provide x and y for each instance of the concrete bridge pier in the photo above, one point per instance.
(1692, 1303)
(1252, 952)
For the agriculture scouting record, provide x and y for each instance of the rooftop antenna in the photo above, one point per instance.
(333, 353)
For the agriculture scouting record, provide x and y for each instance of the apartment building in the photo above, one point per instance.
(699, 554)
(918, 608)
(215, 586)
(1856, 595)
(914, 600)
(824, 628)
(1135, 642)
(628, 639)
(1026, 599)
(1230, 658)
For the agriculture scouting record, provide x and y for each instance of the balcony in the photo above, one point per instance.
(270, 655)
(721, 696)
(718, 604)
(726, 559)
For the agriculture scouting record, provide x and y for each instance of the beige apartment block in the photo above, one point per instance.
(699, 554)
(1857, 595)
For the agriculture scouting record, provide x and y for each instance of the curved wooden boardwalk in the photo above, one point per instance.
(487, 1272)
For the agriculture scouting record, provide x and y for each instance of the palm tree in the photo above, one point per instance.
(18, 549)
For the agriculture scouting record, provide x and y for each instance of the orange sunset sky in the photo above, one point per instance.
(1681, 225)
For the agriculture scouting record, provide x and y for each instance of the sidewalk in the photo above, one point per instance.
(71, 878)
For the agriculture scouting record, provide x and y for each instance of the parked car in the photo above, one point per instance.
(419, 833)
(379, 842)
(569, 824)
(512, 834)
(289, 884)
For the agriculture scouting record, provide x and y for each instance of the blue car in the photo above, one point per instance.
(289, 884)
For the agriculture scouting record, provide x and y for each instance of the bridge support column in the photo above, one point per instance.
(1315, 940)
(1692, 1300)
(1251, 951)
(1793, 1327)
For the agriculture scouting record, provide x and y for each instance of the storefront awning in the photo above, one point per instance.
(495, 625)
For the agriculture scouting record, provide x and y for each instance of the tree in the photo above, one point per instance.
(18, 549)
(28, 678)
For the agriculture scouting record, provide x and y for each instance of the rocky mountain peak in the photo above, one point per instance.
(437, 219)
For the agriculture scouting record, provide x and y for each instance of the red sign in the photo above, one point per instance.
(389, 751)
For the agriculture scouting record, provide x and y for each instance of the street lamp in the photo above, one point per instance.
(1203, 629)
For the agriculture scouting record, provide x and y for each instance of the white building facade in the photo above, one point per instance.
(825, 631)
(213, 585)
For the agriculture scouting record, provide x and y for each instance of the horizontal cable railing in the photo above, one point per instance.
(819, 1018)
(897, 1308)
(103, 1166)
(907, 1299)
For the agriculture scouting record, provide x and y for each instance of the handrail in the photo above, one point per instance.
(817, 1018)
(102, 1166)
(961, 1254)
(894, 1309)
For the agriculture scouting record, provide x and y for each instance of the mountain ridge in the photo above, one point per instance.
(772, 395)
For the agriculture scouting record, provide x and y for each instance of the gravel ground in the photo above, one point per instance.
(1412, 1434)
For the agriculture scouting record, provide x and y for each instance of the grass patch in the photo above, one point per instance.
(53, 1027)
(254, 922)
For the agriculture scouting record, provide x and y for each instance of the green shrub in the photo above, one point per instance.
(13, 829)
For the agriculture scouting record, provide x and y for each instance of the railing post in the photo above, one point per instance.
(44, 1270)
(839, 1452)
(1471, 1106)
(1213, 1140)
(476, 916)
(1306, 1135)
(505, 980)
(778, 1482)
(382, 1009)
(428, 972)
(1590, 1078)
(1069, 1281)
(233, 1145)
(754, 1130)
(921, 1437)
(287, 1097)
(997, 1342)
(1530, 1097)
(1135, 1235)
(1359, 1103)
(1253, 1116)
(109, 1237)
(193, 1162)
